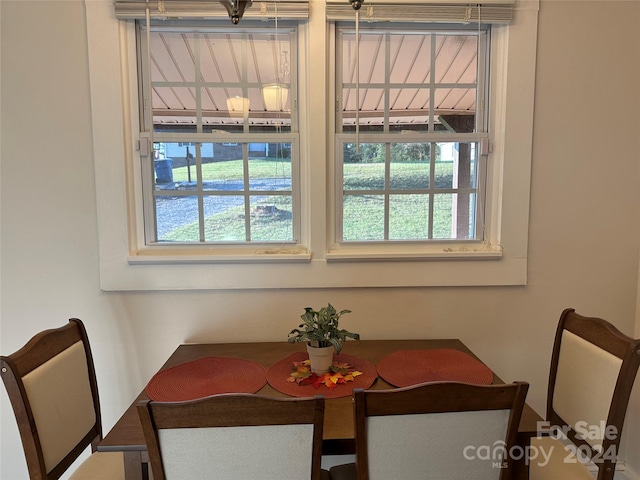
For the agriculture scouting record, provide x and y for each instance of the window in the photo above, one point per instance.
(479, 165)
(217, 102)
(409, 123)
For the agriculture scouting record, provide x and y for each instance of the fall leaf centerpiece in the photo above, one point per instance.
(338, 373)
(321, 332)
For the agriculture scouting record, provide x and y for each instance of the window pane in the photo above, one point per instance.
(453, 216)
(370, 59)
(410, 107)
(224, 218)
(177, 218)
(408, 217)
(270, 166)
(364, 170)
(174, 106)
(363, 217)
(457, 58)
(162, 166)
(465, 220)
(371, 113)
(271, 219)
(167, 66)
(410, 166)
(443, 173)
(224, 169)
(456, 108)
(413, 53)
(442, 215)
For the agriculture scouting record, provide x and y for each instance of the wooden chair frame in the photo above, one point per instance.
(604, 335)
(437, 397)
(231, 410)
(43, 347)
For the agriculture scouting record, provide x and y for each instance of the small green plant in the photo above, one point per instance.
(320, 328)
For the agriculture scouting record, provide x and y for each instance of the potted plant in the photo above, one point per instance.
(322, 334)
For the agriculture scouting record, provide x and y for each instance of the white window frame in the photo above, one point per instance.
(246, 137)
(345, 250)
(126, 264)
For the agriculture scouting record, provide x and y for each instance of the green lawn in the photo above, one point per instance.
(363, 214)
(233, 170)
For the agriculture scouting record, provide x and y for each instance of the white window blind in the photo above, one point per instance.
(135, 9)
(453, 11)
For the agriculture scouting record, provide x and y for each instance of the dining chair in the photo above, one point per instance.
(51, 383)
(593, 367)
(235, 437)
(438, 431)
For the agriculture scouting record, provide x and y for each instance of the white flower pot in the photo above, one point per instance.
(321, 358)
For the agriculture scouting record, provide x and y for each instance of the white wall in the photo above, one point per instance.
(584, 235)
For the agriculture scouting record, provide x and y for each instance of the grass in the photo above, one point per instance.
(363, 214)
(233, 170)
(229, 226)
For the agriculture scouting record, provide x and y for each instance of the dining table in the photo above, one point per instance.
(264, 368)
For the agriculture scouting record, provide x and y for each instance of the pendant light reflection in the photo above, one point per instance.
(275, 97)
(275, 94)
(238, 107)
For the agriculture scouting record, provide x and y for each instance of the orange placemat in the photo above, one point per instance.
(278, 374)
(204, 377)
(410, 367)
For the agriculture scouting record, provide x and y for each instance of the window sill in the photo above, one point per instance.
(167, 256)
(453, 251)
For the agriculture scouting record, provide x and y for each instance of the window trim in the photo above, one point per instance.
(124, 265)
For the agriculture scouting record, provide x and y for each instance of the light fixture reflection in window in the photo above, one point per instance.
(238, 106)
(275, 97)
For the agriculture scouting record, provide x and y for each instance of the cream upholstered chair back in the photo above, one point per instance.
(60, 396)
(234, 437)
(237, 452)
(593, 368)
(581, 367)
(52, 387)
(399, 448)
(437, 430)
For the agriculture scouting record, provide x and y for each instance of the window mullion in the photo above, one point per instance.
(246, 189)
(432, 92)
(338, 81)
(432, 185)
(387, 188)
(244, 81)
(200, 193)
(482, 68)
(387, 81)
(198, 80)
(198, 87)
